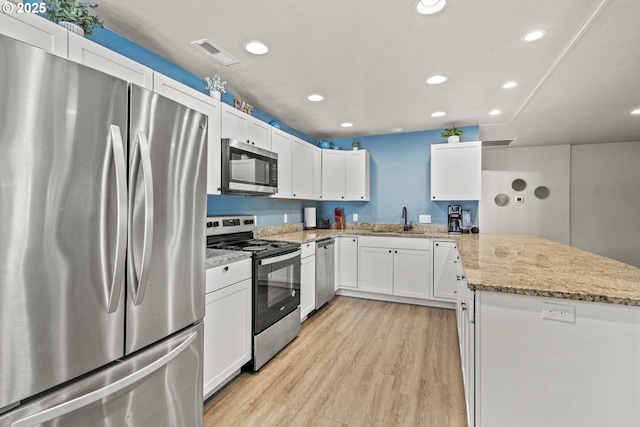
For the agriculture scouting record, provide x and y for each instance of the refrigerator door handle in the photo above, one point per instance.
(104, 392)
(141, 155)
(117, 146)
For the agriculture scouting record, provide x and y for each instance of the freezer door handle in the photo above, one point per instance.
(104, 392)
(117, 280)
(140, 277)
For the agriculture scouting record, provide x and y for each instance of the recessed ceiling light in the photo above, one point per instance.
(434, 80)
(429, 7)
(396, 130)
(346, 125)
(636, 111)
(256, 47)
(438, 114)
(534, 35)
(495, 112)
(315, 97)
(509, 85)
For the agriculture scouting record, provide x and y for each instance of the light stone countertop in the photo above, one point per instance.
(521, 264)
(218, 257)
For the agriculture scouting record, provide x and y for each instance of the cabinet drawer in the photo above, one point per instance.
(395, 242)
(308, 249)
(225, 275)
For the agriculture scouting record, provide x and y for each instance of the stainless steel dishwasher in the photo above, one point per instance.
(325, 280)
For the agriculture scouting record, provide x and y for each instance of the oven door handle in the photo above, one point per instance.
(273, 260)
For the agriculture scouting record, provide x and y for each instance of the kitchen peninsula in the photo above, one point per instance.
(553, 333)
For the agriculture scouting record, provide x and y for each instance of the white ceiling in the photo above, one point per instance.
(370, 59)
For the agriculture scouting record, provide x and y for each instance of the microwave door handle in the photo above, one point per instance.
(275, 259)
(117, 280)
(141, 156)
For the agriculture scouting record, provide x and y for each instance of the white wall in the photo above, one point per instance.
(538, 166)
(605, 200)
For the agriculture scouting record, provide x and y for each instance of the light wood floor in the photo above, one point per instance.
(356, 363)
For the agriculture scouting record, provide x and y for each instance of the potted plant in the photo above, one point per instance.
(452, 134)
(73, 15)
(215, 86)
(355, 144)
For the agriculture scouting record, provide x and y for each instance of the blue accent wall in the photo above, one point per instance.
(400, 163)
(400, 177)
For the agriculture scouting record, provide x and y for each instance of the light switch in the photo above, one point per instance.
(355, 217)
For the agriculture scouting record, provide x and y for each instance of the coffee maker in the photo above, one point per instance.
(454, 224)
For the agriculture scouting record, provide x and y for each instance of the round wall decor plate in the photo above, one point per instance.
(502, 200)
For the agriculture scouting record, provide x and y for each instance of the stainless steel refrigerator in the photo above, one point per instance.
(102, 248)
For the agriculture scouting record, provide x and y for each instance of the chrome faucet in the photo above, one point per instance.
(406, 226)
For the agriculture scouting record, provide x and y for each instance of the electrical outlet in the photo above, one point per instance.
(285, 218)
(562, 313)
(355, 217)
(425, 219)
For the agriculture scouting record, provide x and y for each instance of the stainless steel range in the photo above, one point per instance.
(276, 282)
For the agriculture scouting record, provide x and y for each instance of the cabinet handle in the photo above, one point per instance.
(464, 306)
(437, 244)
(354, 240)
(389, 251)
(226, 268)
(294, 195)
(343, 197)
(362, 197)
(248, 141)
(395, 251)
(458, 278)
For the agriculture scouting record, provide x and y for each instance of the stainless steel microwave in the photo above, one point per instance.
(247, 169)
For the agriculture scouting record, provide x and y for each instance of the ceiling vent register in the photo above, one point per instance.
(218, 54)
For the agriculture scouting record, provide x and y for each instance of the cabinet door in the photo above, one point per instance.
(346, 262)
(307, 286)
(36, 31)
(91, 54)
(205, 104)
(357, 175)
(317, 174)
(227, 334)
(260, 133)
(301, 169)
(376, 270)
(333, 175)
(411, 273)
(235, 124)
(445, 271)
(281, 144)
(456, 171)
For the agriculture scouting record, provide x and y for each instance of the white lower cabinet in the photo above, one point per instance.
(376, 269)
(308, 280)
(395, 266)
(411, 273)
(346, 262)
(227, 324)
(445, 270)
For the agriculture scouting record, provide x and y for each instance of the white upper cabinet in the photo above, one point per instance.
(333, 175)
(456, 171)
(243, 127)
(198, 101)
(316, 185)
(301, 169)
(91, 54)
(345, 175)
(36, 31)
(357, 175)
(281, 145)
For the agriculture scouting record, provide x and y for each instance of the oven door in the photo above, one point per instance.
(247, 169)
(276, 288)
